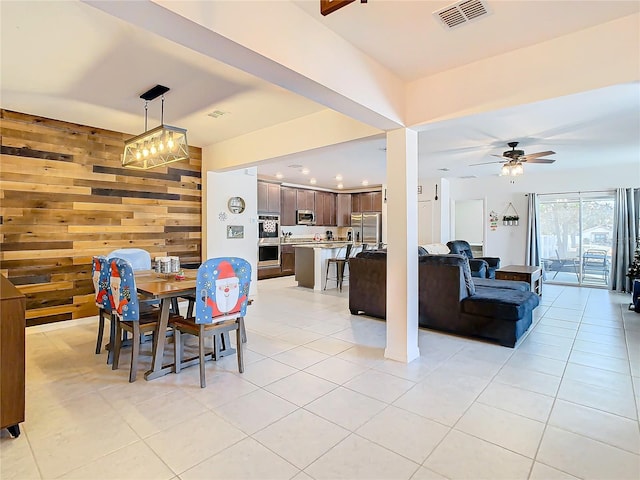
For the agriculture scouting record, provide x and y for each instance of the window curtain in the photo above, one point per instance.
(533, 232)
(625, 234)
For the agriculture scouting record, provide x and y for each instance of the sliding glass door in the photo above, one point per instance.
(576, 232)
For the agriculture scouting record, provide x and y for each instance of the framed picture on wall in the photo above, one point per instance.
(235, 231)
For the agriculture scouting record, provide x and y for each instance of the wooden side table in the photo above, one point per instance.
(522, 273)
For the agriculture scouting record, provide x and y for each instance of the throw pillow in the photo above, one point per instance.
(468, 280)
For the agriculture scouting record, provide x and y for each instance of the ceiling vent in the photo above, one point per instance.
(216, 113)
(461, 12)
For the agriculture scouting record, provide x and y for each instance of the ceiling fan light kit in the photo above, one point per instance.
(514, 160)
(159, 146)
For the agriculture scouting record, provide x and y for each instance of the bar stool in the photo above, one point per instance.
(339, 261)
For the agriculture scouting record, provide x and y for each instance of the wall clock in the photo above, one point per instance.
(236, 205)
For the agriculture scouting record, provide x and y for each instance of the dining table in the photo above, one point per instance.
(167, 288)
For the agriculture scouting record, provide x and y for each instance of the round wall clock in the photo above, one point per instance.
(236, 205)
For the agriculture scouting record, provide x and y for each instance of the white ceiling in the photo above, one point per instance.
(70, 61)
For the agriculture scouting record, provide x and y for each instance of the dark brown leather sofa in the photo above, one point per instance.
(449, 299)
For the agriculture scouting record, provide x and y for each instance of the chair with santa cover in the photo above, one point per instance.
(222, 295)
(125, 309)
(100, 277)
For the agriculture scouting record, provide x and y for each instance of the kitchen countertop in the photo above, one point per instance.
(296, 242)
(319, 244)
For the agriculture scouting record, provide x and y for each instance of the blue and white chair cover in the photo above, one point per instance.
(125, 308)
(100, 278)
(222, 296)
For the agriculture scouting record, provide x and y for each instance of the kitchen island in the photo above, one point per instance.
(311, 263)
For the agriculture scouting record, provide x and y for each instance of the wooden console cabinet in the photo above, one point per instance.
(12, 363)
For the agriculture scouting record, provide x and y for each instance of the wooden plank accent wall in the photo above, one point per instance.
(65, 197)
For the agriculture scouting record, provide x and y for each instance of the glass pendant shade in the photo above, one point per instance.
(159, 146)
(512, 169)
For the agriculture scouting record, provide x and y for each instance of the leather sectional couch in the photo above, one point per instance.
(449, 298)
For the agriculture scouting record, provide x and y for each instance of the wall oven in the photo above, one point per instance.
(268, 241)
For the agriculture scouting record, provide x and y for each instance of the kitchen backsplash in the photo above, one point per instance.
(307, 232)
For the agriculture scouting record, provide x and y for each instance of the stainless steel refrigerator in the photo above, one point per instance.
(367, 227)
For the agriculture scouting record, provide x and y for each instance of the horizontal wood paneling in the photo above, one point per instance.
(65, 197)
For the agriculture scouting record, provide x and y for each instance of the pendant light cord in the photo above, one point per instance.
(146, 109)
(162, 112)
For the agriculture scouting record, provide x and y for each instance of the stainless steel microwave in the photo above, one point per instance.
(305, 217)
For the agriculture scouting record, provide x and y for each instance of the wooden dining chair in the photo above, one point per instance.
(222, 295)
(125, 309)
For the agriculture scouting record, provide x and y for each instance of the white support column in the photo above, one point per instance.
(402, 240)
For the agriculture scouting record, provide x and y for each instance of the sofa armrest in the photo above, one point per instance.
(493, 262)
(478, 267)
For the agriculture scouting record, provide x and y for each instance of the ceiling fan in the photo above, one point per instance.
(513, 160)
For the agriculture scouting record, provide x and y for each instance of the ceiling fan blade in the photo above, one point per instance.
(541, 160)
(487, 163)
(506, 159)
(531, 156)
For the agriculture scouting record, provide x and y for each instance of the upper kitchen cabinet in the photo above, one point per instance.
(325, 209)
(343, 214)
(268, 197)
(376, 201)
(288, 212)
(355, 203)
(366, 202)
(306, 199)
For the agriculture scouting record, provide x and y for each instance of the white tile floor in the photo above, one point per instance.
(319, 401)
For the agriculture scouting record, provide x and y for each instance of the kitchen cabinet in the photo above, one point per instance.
(306, 199)
(366, 202)
(288, 260)
(268, 197)
(269, 272)
(325, 209)
(355, 203)
(12, 359)
(330, 209)
(288, 203)
(343, 210)
(376, 201)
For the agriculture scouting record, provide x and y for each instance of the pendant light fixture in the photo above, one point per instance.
(160, 145)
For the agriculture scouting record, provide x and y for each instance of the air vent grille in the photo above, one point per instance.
(462, 12)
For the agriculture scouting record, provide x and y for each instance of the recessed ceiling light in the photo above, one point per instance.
(312, 181)
(339, 177)
(279, 175)
(365, 182)
(305, 171)
(340, 185)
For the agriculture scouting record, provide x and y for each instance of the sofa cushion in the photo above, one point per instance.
(508, 284)
(502, 303)
(456, 261)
